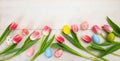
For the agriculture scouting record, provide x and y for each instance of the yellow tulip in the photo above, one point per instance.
(66, 29)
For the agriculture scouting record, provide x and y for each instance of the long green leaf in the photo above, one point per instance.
(70, 50)
(11, 51)
(23, 48)
(48, 44)
(115, 27)
(73, 41)
(110, 50)
(5, 34)
(9, 48)
(44, 46)
(96, 47)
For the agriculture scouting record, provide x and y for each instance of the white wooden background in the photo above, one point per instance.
(34, 14)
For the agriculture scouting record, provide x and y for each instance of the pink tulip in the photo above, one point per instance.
(35, 35)
(74, 28)
(96, 29)
(13, 26)
(46, 30)
(107, 28)
(17, 38)
(87, 38)
(30, 51)
(25, 31)
(60, 39)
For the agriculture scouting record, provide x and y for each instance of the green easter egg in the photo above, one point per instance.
(110, 37)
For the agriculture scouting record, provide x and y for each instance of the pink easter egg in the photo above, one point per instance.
(30, 51)
(84, 25)
(25, 31)
(58, 53)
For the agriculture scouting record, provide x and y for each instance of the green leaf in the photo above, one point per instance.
(70, 50)
(106, 43)
(110, 50)
(48, 44)
(8, 48)
(73, 41)
(24, 47)
(5, 34)
(43, 46)
(11, 51)
(115, 27)
(96, 47)
(77, 44)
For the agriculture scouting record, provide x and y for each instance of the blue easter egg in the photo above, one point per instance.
(96, 39)
(48, 53)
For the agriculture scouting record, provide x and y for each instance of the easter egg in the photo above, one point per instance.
(58, 53)
(96, 39)
(30, 51)
(84, 25)
(110, 37)
(48, 53)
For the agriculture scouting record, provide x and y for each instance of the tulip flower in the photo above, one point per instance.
(8, 30)
(46, 30)
(16, 39)
(66, 29)
(74, 28)
(96, 29)
(60, 39)
(35, 35)
(107, 28)
(25, 31)
(32, 39)
(87, 38)
(13, 26)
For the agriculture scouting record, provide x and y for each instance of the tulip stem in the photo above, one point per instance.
(96, 55)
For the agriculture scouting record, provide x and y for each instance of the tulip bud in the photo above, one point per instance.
(74, 28)
(110, 37)
(107, 28)
(46, 30)
(87, 38)
(35, 35)
(60, 39)
(96, 29)
(13, 26)
(66, 29)
(17, 39)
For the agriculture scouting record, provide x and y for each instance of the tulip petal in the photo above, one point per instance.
(74, 28)
(60, 39)
(17, 38)
(96, 29)
(46, 30)
(35, 35)
(87, 38)
(13, 26)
